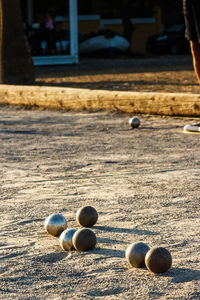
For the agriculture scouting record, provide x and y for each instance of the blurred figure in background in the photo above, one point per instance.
(50, 34)
(126, 19)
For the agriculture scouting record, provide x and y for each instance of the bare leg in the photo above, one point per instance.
(195, 50)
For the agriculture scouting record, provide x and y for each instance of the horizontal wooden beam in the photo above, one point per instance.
(170, 104)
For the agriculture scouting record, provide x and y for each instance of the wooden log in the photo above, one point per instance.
(170, 104)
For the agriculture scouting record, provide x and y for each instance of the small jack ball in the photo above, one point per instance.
(134, 122)
(84, 239)
(158, 260)
(135, 254)
(87, 216)
(55, 224)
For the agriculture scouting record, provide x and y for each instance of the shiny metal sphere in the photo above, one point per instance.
(135, 254)
(84, 239)
(66, 239)
(55, 224)
(134, 122)
(87, 216)
(158, 260)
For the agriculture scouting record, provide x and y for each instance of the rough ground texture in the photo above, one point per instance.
(155, 74)
(144, 184)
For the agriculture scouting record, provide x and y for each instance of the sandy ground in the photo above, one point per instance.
(144, 184)
(153, 74)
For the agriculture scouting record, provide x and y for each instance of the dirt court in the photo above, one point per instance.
(144, 183)
(152, 74)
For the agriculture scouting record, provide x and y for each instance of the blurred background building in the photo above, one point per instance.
(136, 20)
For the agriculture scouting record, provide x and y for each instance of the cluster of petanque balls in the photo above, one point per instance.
(138, 254)
(70, 238)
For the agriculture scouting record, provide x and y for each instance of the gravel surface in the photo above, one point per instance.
(157, 74)
(143, 182)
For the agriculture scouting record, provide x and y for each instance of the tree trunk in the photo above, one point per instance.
(16, 65)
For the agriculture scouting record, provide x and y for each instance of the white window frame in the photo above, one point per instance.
(73, 57)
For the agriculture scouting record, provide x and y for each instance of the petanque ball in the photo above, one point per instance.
(55, 224)
(66, 239)
(135, 254)
(158, 260)
(134, 122)
(84, 239)
(87, 216)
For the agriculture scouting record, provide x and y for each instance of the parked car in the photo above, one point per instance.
(172, 40)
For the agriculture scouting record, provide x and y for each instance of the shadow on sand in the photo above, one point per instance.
(126, 230)
(181, 275)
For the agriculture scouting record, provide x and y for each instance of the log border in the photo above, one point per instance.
(72, 99)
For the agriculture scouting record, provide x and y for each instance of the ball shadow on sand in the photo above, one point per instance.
(108, 253)
(181, 275)
(106, 292)
(126, 230)
(52, 257)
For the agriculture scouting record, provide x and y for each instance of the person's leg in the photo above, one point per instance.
(192, 33)
(195, 50)
(191, 12)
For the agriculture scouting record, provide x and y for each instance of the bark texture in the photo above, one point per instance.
(16, 65)
(168, 104)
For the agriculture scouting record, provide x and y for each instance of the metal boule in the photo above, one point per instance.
(134, 122)
(135, 254)
(55, 224)
(158, 260)
(84, 239)
(87, 216)
(66, 239)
